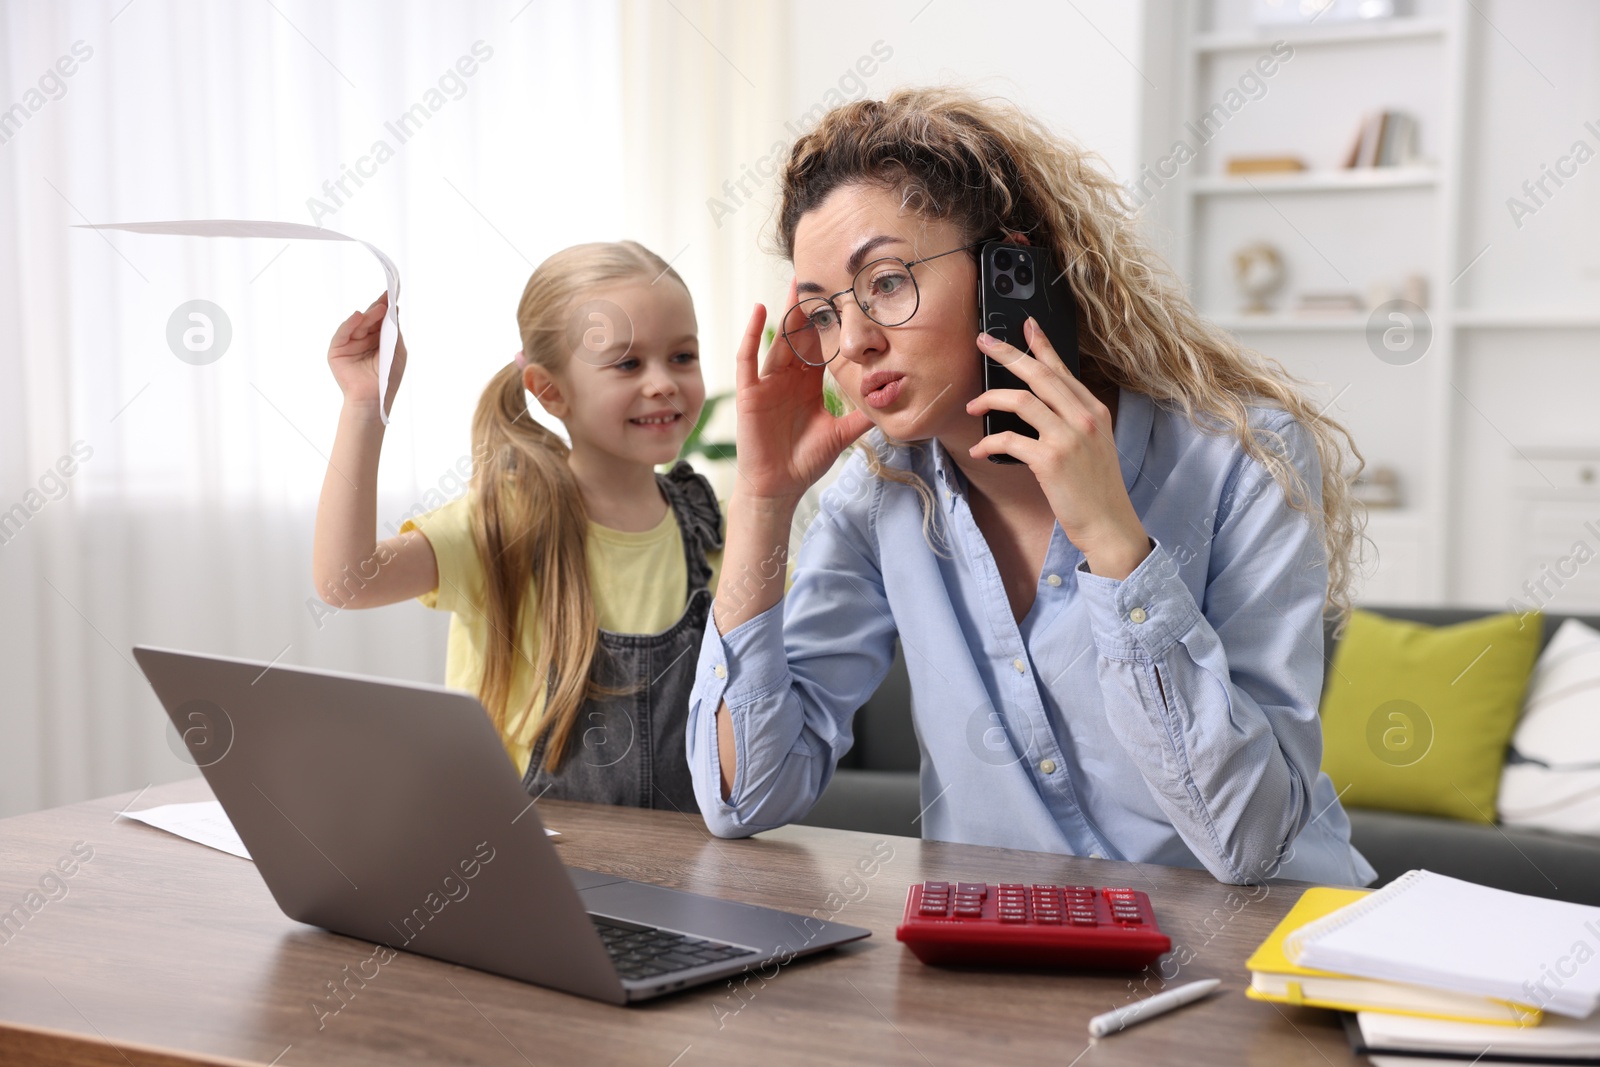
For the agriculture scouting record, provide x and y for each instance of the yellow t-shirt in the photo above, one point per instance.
(639, 582)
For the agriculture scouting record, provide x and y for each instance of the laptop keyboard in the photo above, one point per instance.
(645, 952)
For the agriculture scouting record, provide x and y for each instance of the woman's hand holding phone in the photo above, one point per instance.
(1075, 457)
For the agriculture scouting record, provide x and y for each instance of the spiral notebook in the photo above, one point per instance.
(1433, 930)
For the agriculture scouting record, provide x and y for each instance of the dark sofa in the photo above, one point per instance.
(875, 789)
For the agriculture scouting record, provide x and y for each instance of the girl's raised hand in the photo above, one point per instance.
(787, 438)
(353, 356)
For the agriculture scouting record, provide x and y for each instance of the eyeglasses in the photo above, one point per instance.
(886, 292)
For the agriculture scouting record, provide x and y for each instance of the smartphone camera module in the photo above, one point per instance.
(1012, 274)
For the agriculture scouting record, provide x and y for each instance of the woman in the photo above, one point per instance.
(1115, 645)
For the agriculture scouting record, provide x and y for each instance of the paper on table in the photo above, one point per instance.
(1430, 929)
(1556, 1036)
(206, 823)
(294, 231)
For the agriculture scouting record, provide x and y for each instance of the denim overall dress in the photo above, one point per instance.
(629, 749)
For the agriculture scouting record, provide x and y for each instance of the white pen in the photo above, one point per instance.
(1163, 1002)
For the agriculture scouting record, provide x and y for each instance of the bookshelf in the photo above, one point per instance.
(1315, 181)
(1337, 229)
(1239, 40)
(1502, 398)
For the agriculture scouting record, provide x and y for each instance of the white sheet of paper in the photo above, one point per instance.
(205, 821)
(294, 231)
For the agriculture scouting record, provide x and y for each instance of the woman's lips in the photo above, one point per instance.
(885, 394)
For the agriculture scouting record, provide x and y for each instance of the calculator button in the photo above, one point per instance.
(1012, 917)
(935, 887)
(977, 889)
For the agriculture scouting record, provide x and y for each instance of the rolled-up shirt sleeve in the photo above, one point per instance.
(794, 676)
(1218, 706)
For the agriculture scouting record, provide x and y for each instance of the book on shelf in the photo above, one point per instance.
(1385, 138)
(1265, 164)
(1329, 305)
(1275, 977)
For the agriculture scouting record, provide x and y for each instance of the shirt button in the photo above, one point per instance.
(1048, 766)
(720, 671)
(1022, 668)
(1137, 615)
(1054, 579)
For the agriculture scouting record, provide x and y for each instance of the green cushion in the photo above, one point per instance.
(1416, 718)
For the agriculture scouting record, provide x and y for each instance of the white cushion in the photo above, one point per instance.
(1560, 727)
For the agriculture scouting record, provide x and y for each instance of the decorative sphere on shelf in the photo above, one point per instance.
(1258, 272)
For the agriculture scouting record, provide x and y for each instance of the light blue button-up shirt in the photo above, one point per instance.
(1169, 717)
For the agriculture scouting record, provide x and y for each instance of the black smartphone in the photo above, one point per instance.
(1016, 281)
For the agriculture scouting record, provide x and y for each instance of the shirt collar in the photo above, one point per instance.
(1135, 417)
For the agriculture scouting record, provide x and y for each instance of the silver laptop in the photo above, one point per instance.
(388, 811)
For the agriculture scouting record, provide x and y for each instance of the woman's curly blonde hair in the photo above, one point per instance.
(990, 168)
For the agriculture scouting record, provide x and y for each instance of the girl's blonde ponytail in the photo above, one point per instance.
(530, 523)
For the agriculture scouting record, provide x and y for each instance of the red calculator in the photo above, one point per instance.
(1031, 925)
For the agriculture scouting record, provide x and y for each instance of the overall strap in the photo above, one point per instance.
(694, 503)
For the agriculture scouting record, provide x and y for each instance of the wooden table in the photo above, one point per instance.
(162, 951)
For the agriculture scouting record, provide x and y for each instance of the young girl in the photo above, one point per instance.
(577, 577)
(1134, 610)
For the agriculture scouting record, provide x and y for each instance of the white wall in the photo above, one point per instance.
(1072, 65)
(1535, 83)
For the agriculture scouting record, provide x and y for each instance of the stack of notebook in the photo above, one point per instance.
(1432, 964)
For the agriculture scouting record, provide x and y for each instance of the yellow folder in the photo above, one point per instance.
(1274, 978)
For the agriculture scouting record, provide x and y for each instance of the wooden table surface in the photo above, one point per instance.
(160, 951)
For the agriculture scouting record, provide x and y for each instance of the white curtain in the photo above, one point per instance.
(145, 499)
